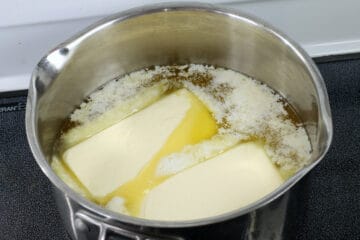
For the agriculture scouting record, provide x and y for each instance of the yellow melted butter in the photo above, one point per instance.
(197, 125)
(65, 173)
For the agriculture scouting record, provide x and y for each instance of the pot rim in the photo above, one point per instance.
(324, 112)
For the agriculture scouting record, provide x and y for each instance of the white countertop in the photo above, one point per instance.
(28, 29)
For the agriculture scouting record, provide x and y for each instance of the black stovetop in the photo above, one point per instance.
(323, 205)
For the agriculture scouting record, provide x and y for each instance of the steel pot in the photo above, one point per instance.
(161, 35)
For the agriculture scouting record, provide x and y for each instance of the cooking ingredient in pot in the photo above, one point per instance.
(69, 178)
(120, 98)
(234, 178)
(117, 154)
(180, 142)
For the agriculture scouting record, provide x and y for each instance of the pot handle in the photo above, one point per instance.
(85, 222)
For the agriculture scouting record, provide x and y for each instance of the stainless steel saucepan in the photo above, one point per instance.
(161, 35)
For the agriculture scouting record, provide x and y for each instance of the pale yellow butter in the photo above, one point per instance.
(120, 111)
(114, 156)
(227, 182)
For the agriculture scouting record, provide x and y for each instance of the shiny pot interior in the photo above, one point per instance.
(163, 35)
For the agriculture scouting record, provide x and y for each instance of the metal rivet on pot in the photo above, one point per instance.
(81, 226)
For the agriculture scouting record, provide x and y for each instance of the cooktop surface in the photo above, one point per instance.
(323, 205)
